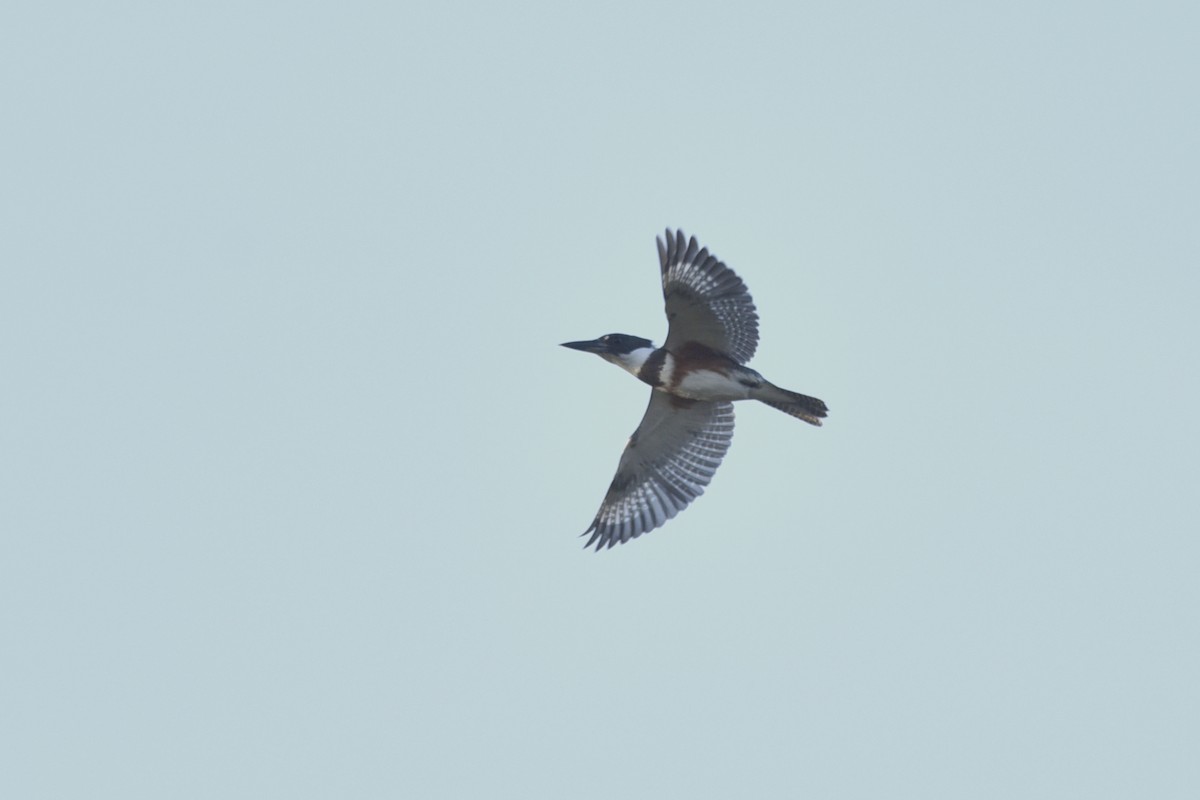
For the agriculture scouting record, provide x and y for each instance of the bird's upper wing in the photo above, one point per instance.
(669, 460)
(706, 301)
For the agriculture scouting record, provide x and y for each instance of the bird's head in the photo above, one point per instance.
(626, 351)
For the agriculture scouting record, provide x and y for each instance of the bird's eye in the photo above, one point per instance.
(605, 338)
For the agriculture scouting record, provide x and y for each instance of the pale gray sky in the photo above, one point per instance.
(294, 470)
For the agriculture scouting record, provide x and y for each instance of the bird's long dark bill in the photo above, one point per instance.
(594, 346)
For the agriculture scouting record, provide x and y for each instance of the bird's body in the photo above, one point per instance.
(696, 376)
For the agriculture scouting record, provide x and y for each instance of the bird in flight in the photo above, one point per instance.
(695, 377)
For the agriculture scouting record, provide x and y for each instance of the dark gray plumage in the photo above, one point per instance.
(684, 442)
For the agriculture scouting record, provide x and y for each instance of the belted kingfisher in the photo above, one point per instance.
(697, 373)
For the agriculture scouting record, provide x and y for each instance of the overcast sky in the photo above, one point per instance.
(293, 470)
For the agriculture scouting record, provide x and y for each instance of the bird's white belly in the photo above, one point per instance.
(706, 384)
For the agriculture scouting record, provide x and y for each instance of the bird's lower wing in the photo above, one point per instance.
(670, 458)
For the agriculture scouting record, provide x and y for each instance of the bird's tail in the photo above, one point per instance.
(809, 409)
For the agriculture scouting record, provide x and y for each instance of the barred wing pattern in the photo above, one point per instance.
(669, 460)
(706, 301)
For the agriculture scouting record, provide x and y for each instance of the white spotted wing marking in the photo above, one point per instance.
(668, 462)
(706, 301)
